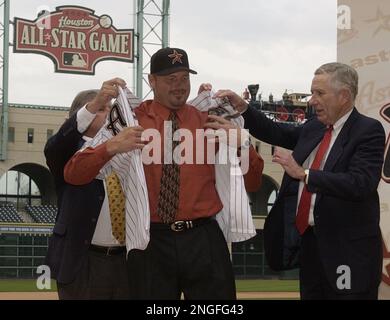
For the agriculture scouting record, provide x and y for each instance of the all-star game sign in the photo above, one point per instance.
(74, 38)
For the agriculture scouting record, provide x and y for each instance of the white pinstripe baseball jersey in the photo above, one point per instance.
(235, 219)
(129, 169)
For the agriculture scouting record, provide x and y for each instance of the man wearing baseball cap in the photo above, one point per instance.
(187, 252)
(169, 60)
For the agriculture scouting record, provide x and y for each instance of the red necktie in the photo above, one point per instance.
(302, 219)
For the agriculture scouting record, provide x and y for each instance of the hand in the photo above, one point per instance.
(205, 87)
(235, 100)
(127, 140)
(108, 91)
(287, 161)
(235, 136)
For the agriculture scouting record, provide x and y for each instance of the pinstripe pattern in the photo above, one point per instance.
(235, 220)
(129, 169)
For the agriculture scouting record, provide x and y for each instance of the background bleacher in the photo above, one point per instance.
(42, 214)
(8, 213)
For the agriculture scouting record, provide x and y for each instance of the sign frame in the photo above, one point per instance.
(59, 67)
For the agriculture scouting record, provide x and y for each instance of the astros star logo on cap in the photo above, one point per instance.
(176, 57)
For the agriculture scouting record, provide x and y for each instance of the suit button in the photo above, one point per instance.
(93, 220)
(101, 198)
(86, 242)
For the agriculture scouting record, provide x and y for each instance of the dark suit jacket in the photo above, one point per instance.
(78, 207)
(346, 212)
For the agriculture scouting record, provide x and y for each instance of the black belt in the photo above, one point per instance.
(108, 251)
(181, 225)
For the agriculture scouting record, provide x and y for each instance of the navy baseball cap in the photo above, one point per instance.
(169, 60)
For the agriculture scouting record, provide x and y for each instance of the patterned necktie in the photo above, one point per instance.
(302, 219)
(116, 201)
(168, 200)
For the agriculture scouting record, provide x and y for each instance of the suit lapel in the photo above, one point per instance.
(342, 139)
(302, 151)
(304, 148)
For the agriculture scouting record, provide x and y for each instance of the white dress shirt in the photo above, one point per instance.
(308, 162)
(103, 232)
(84, 119)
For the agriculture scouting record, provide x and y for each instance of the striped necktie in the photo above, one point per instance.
(302, 219)
(168, 200)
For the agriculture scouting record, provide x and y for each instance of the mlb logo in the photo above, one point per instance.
(75, 60)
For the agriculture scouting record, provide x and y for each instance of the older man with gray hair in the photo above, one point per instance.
(326, 217)
(86, 252)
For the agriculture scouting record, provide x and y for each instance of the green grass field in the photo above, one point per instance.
(242, 286)
(267, 285)
(22, 286)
